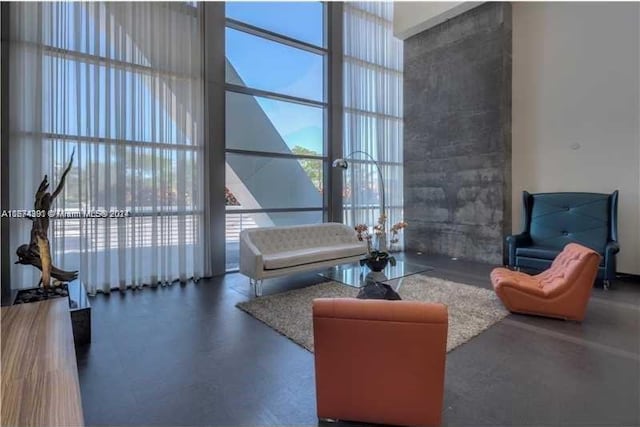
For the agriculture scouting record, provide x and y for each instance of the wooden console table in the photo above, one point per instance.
(39, 371)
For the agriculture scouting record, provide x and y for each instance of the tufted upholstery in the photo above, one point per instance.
(561, 291)
(274, 251)
(284, 239)
(552, 220)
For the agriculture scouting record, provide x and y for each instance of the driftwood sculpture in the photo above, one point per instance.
(37, 252)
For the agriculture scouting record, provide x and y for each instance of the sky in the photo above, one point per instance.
(271, 66)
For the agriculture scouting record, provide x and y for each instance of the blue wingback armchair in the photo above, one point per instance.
(551, 220)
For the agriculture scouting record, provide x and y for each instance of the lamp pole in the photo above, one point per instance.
(342, 163)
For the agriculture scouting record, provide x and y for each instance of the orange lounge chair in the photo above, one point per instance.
(562, 291)
(380, 361)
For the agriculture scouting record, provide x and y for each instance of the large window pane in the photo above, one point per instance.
(114, 31)
(149, 180)
(94, 100)
(373, 112)
(263, 64)
(261, 124)
(236, 222)
(298, 20)
(259, 182)
(385, 97)
(274, 127)
(369, 133)
(140, 235)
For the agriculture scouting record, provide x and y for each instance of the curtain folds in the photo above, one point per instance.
(373, 69)
(121, 84)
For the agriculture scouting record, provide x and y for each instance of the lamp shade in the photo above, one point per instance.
(340, 163)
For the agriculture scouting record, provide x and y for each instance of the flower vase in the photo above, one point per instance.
(376, 261)
(381, 243)
(377, 265)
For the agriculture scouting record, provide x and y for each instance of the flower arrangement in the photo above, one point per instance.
(379, 256)
(363, 235)
(395, 230)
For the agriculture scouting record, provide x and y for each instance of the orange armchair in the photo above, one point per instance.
(562, 291)
(380, 361)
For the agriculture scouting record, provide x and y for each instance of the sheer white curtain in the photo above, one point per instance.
(122, 85)
(373, 111)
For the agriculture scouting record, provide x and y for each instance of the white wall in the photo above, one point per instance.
(576, 107)
(413, 17)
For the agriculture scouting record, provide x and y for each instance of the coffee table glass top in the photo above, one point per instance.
(357, 276)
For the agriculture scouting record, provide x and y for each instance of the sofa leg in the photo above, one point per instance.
(257, 286)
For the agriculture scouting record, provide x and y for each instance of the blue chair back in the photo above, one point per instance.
(555, 219)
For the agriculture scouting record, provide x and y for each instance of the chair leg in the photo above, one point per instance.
(606, 285)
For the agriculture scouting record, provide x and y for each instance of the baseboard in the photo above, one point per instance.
(629, 277)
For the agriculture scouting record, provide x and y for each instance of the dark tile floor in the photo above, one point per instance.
(184, 355)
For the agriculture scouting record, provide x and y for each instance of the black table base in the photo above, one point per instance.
(79, 306)
(378, 291)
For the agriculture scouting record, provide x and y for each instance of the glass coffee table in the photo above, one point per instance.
(359, 276)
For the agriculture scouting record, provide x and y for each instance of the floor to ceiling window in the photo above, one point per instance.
(275, 117)
(120, 85)
(372, 113)
(125, 85)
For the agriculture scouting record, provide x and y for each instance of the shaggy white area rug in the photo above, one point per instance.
(471, 309)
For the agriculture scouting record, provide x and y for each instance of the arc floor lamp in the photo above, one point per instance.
(343, 164)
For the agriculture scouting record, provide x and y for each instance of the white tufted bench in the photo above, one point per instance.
(276, 251)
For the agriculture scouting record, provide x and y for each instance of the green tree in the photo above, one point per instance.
(313, 167)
